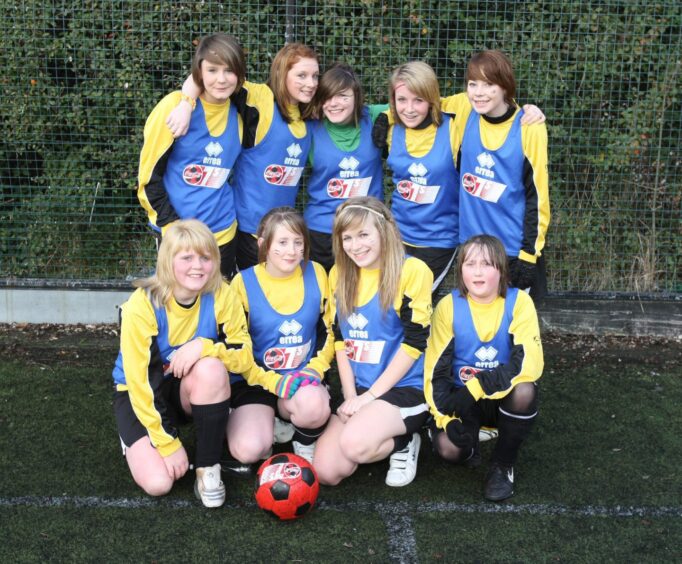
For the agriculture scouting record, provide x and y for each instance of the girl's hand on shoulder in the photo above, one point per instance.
(178, 120)
(532, 115)
(185, 358)
(177, 463)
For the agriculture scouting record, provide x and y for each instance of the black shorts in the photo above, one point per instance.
(247, 250)
(228, 266)
(321, 249)
(439, 261)
(413, 407)
(130, 429)
(243, 394)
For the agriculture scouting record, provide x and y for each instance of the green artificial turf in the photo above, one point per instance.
(607, 439)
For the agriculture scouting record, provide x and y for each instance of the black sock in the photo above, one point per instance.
(209, 422)
(307, 436)
(401, 441)
(514, 429)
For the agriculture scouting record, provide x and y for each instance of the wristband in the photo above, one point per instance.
(191, 101)
(371, 394)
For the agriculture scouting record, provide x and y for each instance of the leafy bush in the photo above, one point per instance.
(80, 77)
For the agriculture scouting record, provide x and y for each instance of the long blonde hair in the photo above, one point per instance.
(187, 234)
(352, 214)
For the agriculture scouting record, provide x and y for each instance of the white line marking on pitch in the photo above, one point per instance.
(542, 509)
(396, 516)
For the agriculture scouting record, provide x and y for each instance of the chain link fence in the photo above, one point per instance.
(80, 77)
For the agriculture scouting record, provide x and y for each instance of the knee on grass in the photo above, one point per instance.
(156, 485)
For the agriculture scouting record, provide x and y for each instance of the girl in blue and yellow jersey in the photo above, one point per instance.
(423, 135)
(381, 309)
(276, 140)
(345, 162)
(483, 358)
(285, 297)
(182, 331)
(421, 155)
(188, 177)
(503, 171)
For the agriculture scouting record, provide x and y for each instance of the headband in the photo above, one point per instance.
(361, 207)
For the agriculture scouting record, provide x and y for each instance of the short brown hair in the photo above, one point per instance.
(219, 48)
(336, 79)
(494, 67)
(493, 248)
(289, 218)
(286, 58)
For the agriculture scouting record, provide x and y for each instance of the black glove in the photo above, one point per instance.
(461, 402)
(380, 131)
(458, 435)
(522, 273)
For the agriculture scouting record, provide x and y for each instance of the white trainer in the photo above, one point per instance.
(487, 434)
(304, 451)
(283, 431)
(208, 487)
(403, 463)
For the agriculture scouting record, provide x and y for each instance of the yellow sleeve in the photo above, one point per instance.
(157, 140)
(138, 328)
(234, 346)
(333, 280)
(414, 307)
(438, 380)
(536, 222)
(459, 105)
(525, 331)
(259, 110)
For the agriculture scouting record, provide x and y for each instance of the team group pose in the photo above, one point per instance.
(351, 280)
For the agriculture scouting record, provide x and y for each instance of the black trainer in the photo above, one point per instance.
(499, 482)
(236, 468)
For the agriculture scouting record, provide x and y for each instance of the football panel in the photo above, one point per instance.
(280, 491)
(301, 510)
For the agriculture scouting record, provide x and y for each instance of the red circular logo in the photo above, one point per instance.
(274, 358)
(466, 373)
(335, 187)
(193, 174)
(469, 182)
(274, 174)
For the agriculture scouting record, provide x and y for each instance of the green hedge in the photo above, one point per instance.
(81, 76)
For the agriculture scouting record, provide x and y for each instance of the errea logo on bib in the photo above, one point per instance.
(294, 151)
(290, 330)
(348, 166)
